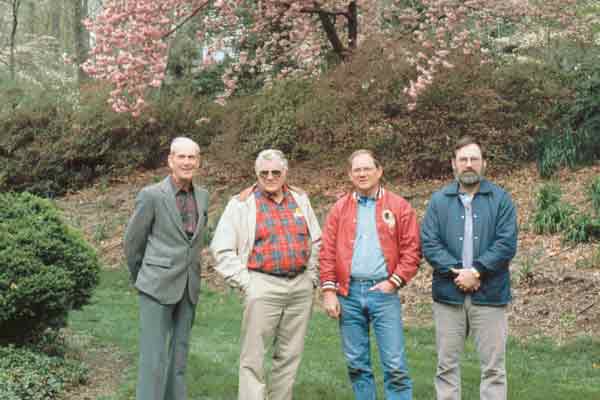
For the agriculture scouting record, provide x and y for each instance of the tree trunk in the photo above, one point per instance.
(352, 25)
(32, 17)
(79, 38)
(55, 21)
(13, 34)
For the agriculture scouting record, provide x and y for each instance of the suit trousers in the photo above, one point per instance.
(277, 310)
(489, 326)
(164, 345)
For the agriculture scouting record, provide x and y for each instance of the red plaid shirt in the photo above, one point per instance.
(282, 242)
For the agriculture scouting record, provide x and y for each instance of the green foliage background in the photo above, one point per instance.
(55, 140)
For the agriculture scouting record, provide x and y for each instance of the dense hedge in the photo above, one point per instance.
(361, 103)
(518, 108)
(51, 143)
(46, 270)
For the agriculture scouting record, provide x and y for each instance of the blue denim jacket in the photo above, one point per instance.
(494, 243)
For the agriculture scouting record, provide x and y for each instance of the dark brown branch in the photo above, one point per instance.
(352, 25)
(318, 10)
(15, 22)
(185, 20)
(586, 308)
(331, 33)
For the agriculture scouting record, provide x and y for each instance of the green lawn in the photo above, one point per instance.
(537, 371)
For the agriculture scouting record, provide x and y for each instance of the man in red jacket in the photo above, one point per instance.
(370, 249)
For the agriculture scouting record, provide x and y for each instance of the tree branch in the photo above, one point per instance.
(331, 33)
(318, 10)
(185, 20)
(352, 25)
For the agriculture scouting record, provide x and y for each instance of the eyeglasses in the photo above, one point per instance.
(365, 170)
(274, 173)
(465, 160)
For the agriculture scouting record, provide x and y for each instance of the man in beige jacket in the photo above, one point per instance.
(267, 244)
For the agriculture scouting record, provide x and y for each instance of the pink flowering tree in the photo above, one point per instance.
(278, 39)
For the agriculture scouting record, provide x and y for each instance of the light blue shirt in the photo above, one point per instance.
(368, 261)
(467, 252)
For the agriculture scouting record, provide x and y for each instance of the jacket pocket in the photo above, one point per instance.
(163, 262)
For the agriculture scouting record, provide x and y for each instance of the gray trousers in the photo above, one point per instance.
(164, 344)
(489, 326)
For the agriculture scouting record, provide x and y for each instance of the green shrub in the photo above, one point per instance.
(582, 228)
(548, 195)
(28, 375)
(594, 195)
(47, 267)
(51, 143)
(209, 82)
(551, 214)
(574, 141)
(555, 151)
(271, 121)
(361, 103)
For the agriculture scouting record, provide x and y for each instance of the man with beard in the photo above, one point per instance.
(469, 236)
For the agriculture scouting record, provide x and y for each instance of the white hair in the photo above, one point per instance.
(183, 142)
(271, 154)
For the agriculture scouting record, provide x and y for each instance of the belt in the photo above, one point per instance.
(366, 280)
(288, 274)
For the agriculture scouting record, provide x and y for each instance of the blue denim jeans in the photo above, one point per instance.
(359, 309)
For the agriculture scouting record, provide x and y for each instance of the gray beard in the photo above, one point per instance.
(468, 179)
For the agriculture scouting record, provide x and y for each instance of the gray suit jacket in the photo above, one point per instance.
(162, 260)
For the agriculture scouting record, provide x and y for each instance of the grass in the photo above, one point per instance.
(536, 371)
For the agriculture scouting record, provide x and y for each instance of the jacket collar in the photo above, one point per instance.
(245, 194)
(378, 195)
(485, 187)
(175, 188)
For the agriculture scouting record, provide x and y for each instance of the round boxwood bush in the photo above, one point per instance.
(46, 267)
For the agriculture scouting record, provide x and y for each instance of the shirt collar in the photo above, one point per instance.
(259, 192)
(180, 188)
(365, 199)
(453, 189)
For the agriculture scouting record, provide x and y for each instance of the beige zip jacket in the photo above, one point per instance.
(234, 237)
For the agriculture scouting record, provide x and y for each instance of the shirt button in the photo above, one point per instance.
(460, 238)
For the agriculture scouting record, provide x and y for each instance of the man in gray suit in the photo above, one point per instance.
(162, 247)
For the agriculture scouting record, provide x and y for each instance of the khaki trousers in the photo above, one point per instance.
(489, 327)
(277, 310)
